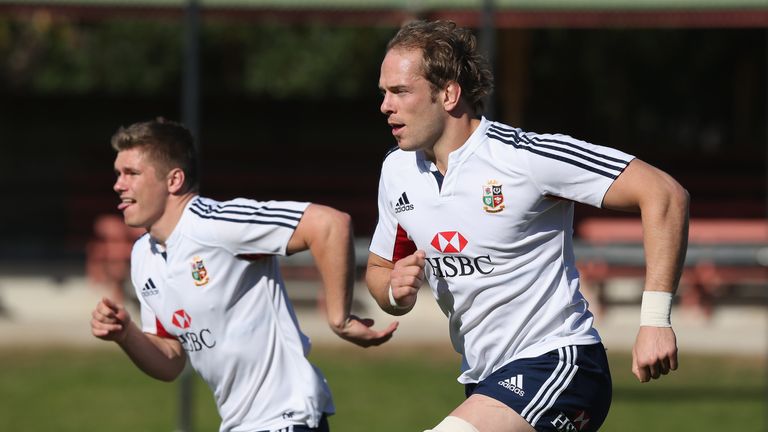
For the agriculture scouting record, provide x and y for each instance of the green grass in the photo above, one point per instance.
(379, 389)
(706, 393)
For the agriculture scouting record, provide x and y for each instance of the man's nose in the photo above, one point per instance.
(386, 105)
(118, 186)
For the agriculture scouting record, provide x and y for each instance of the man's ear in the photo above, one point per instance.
(176, 180)
(451, 96)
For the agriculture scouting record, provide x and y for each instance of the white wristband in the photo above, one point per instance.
(656, 309)
(392, 301)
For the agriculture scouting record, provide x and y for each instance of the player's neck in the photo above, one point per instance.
(457, 132)
(174, 208)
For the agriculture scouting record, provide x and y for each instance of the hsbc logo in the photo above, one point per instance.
(453, 242)
(449, 242)
(181, 319)
(565, 424)
(191, 341)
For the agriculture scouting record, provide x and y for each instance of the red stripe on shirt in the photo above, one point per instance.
(404, 246)
(252, 257)
(161, 331)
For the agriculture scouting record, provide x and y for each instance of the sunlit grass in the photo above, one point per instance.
(380, 389)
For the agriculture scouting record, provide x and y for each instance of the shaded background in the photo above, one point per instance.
(289, 101)
(289, 110)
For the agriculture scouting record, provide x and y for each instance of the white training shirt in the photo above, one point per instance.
(217, 288)
(498, 238)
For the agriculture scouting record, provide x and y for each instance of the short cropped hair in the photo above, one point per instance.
(168, 145)
(449, 53)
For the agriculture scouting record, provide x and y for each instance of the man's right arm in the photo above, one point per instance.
(159, 357)
(394, 286)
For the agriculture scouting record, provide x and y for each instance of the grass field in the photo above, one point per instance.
(375, 390)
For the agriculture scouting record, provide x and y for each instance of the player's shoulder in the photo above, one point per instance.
(208, 218)
(397, 158)
(204, 214)
(517, 138)
(506, 136)
(207, 208)
(203, 218)
(200, 211)
(141, 251)
(204, 208)
(141, 243)
(393, 153)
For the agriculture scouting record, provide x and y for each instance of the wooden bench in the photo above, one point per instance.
(721, 253)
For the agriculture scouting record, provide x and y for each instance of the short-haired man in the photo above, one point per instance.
(484, 211)
(210, 288)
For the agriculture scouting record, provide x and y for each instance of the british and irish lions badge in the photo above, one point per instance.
(493, 199)
(199, 273)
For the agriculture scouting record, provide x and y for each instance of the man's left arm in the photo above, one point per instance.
(327, 233)
(663, 206)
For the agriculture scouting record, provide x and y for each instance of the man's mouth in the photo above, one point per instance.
(125, 203)
(396, 128)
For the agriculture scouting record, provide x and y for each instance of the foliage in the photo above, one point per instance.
(46, 56)
(40, 54)
(701, 89)
(287, 61)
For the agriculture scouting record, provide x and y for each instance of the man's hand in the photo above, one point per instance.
(654, 353)
(406, 278)
(359, 332)
(110, 321)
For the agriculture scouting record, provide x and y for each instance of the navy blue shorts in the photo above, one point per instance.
(567, 389)
(322, 427)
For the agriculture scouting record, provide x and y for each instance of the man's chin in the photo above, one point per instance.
(132, 223)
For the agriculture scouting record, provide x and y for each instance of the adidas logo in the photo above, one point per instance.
(403, 204)
(149, 289)
(514, 384)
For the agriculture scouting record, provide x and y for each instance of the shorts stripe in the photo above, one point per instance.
(544, 387)
(554, 386)
(572, 381)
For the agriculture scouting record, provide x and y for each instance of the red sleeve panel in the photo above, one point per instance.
(161, 331)
(404, 246)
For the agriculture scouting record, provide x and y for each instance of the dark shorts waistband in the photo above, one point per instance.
(322, 427)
